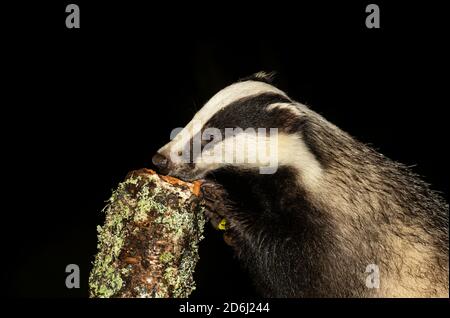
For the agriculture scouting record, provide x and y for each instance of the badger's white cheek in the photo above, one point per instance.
(210, 158)
(293, 152)
(245, 149)
(266, 152)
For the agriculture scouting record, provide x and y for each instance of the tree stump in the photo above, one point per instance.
(148, 245)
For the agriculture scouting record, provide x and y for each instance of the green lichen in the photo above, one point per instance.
(166, 257)
(104, 280)
(181, 279)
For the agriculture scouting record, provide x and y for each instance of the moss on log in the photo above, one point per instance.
(148, 245)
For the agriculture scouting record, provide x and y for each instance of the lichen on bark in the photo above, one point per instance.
(148, 245)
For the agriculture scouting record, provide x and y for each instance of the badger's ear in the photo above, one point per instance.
(266, 77)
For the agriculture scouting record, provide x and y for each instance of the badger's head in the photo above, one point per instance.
(249, 125)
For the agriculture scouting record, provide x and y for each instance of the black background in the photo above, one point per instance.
(82, 107)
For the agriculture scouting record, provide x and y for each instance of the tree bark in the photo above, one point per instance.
(148, 245)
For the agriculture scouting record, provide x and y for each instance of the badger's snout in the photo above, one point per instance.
(175, 168)
(162, 163)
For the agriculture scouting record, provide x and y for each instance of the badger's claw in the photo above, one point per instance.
(216, 207)
(213, 192)
(214, 198)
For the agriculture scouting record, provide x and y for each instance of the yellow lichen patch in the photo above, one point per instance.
(222, 225)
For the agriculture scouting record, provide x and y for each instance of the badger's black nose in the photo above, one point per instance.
(161, 163)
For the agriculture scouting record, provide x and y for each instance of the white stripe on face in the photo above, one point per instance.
(269, 153)
(218, 102)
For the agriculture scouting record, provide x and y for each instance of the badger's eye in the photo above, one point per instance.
(180, 153)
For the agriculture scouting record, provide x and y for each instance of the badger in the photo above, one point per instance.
(335, 218)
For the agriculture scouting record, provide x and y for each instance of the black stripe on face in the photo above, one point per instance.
(249, 112)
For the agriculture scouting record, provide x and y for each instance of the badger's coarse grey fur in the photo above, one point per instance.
(333, 207)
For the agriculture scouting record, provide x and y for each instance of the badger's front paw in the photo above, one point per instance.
(214, 201)
(217, 207)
